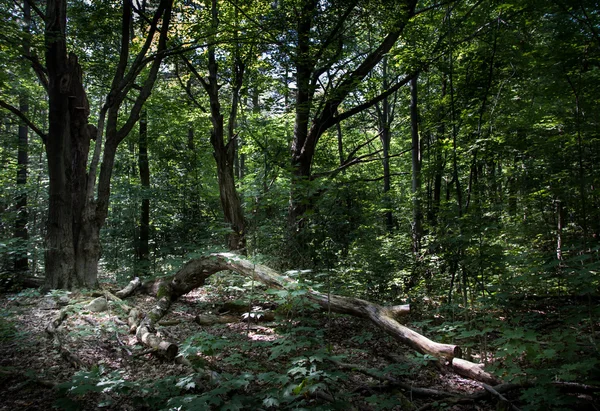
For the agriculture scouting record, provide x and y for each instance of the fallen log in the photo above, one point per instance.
(473, 371)
(145, 332)
(194, 274)
(130, 288)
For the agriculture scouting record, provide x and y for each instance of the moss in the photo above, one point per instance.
(163, 291)
(154, 317)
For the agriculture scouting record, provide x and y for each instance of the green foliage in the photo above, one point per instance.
(8, 331)
(507, 101)
(204, 343)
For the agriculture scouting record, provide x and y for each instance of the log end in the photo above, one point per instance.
(473, 371)
(168, 350)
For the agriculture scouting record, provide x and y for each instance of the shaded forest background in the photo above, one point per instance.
(385, 150)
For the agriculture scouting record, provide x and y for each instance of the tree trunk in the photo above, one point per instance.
(74, 216)
(439, 162)
(455, 174)
(306, 132)
(225, 153)
(67, 151)
(417, 228)
(301, 153)
(385, 123)
(22, 262)
(143, 249)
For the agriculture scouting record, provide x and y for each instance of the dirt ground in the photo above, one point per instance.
(34, 363)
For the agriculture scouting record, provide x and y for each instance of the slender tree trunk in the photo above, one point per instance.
(225, 153)
(455, 175)
(143, 252)
(416, 168)
(22, 261)
(559, 229)
(439, 162)
(385, 121)
(580, 155)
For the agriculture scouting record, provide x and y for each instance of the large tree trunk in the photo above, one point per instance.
(75, 217)
(67, 151)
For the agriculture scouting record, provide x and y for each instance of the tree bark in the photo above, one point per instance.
(66, 148)
(416, 167)
(143, 251)
(22, 261)
(75, 217)
(385, 122)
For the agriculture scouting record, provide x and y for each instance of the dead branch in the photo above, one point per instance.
(506, 404)
(423, 392)
(473, 371)
(129, 289)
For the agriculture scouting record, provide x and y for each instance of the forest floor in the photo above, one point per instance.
(93, 361)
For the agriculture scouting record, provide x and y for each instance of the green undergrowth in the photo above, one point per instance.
(537, 344)
(291, 370)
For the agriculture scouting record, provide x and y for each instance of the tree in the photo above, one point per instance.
(75, 214)
(143, 247)
(416, 167)
(22, 261)
(224, 138)
(312, 62)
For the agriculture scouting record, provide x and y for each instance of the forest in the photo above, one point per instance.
(300, 204)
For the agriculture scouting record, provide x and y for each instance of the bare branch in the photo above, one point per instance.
(188, 90)
(165, 6)
(353, 152)
(25, 119)
(358, 160)
(196, 74)
(35, 8)
(39, 70)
